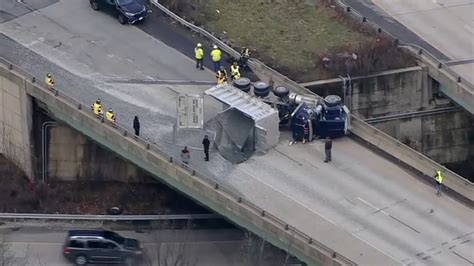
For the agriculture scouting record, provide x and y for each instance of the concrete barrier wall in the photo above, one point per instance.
(15, 121)
(149, 158)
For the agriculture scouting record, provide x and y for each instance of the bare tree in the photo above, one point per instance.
(172, 254)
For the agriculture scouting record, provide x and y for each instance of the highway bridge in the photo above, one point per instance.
(441, 30)
(361, 209)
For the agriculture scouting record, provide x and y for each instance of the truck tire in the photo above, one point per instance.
(332, 100)
(243, 84)
(261, 89)
(281, 91)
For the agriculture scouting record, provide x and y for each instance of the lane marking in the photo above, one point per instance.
(373, 206)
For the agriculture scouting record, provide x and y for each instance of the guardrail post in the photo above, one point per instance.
(262, 213)
(310, 241)
(33, 80)
(10, 66)
(334, 254)
(440, 65)
(287, 227)
(147, 146)
(348, 9)
(79, 106)
(216, 186)
(171, 159)
(459, 79)
(56, 93)
(364, 19)
(124, 133)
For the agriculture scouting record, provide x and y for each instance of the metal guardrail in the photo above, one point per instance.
(77, 217)
(293, 232)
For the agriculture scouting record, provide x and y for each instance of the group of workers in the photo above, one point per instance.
(97, 109)
(216, 56)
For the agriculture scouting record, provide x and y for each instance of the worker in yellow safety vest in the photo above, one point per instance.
(216, 55)
(199, 55)
(110, 115)
(221, 75)
(235, 71)
(439, 182)
(49, 80)
(244, 56)
(97, 108)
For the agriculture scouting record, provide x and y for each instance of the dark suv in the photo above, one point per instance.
(127, 11)
(101, 246)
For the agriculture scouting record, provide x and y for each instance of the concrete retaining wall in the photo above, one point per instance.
(446, 138)
(72, 156)
(15, 121)
(388, 92)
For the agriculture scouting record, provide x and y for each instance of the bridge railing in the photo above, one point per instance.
(293, 232)
(363, 130)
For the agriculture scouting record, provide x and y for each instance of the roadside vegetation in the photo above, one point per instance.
(294, 36)
(18, 194)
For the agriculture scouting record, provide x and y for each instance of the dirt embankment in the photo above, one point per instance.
(305, 40)
(17, 194)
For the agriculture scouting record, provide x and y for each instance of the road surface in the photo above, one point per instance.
(360, 194)
(445, 27)
(37, 246)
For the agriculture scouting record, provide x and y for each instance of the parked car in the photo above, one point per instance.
(127, 11)
(101, 247)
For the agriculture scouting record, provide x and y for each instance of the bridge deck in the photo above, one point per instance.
(359, 195)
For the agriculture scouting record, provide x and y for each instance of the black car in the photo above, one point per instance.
(101, 247)
(127, 11)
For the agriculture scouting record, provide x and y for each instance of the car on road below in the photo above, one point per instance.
(127, 11)
(101, 247)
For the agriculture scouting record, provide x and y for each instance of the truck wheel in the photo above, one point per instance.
(281, 91)
(261, 89)
(243, 84)
(332, 100)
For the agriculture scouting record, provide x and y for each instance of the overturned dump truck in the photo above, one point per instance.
(254, 113)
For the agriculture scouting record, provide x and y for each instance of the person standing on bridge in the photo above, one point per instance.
(439, 182)
(97, 108)
(185, 155)
(235, 71)
(216, 55)
(327, 149)
(110, 116)
(49, 80)
(136, 126)
(199, 55)
(206, 143)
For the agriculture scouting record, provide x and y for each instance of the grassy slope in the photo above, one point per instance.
(298, 35)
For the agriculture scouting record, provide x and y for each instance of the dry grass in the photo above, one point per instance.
(291, 36)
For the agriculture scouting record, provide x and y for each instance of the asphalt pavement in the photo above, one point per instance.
(42, 246)
(445, 28)
(360, 197)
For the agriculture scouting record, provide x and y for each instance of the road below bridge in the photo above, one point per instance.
(365, 207)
